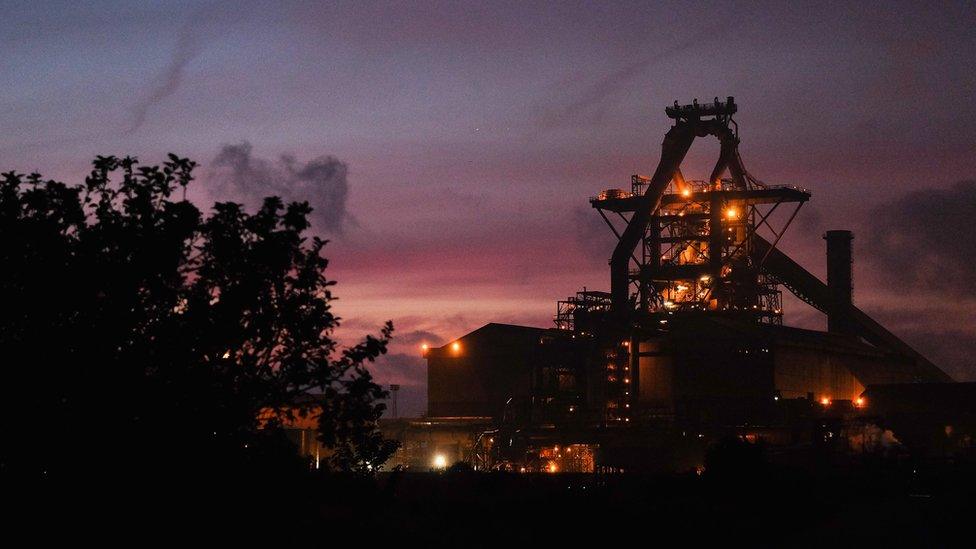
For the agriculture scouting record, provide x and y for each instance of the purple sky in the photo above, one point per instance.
(473, 133)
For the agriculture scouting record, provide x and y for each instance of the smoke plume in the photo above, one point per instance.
(593, 99)
(188, 46)
(236, 174)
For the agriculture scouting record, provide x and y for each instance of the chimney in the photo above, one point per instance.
(840, 281)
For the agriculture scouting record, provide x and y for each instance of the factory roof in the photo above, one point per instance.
(493, 335)
(881, 365)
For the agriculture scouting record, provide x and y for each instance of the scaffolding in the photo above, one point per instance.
(693, 239)
(572, 310)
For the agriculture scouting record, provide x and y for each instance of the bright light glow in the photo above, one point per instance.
(686, 193)
(705, 278)
(226, 354)
(456, 347)
(732, 213)
(825, 401)
(859, 402)
(552, 467)
(424, 347)
(440, 461)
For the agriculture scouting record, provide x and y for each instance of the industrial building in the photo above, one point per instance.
(478, 374)
(689, 343)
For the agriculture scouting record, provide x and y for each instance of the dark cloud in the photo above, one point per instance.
(236, 174)
(956, 359)
(409, 371)
(920, 245)
(402, 368)
(925, 237)
(417, 337)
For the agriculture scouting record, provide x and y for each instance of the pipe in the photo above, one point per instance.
(673, 150)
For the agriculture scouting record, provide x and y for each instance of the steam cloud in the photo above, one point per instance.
(236, 174)
(924, 236)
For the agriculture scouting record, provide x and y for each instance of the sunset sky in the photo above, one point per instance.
(451, 147)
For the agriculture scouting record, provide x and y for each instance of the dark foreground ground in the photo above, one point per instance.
(868, 506)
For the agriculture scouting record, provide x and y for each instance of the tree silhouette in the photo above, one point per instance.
(135, 332)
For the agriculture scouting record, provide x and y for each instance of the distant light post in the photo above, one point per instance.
(394, 389)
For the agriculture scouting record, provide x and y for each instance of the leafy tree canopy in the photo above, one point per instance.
(136, 331)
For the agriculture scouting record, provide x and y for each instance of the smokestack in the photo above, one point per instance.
(840, 279)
